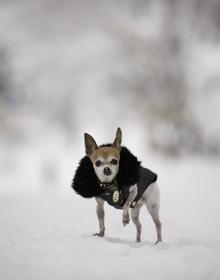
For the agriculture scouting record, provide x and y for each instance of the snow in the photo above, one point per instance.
(48, 234)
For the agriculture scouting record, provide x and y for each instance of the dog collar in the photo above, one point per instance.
(105, 185)
(108, 185)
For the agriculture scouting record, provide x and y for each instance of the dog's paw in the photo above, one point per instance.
(158, 241)
(101, 234)
(125, 219)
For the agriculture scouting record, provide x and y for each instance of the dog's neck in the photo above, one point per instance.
(108, 185)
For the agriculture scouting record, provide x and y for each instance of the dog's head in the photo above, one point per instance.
(105, 160)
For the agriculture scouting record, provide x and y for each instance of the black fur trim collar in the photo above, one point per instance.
(85, 181)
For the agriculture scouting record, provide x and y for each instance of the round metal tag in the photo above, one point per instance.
(115, 196)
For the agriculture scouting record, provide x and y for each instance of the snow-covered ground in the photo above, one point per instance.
(46, 234)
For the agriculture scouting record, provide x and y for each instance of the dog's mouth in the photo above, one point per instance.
(109, 173)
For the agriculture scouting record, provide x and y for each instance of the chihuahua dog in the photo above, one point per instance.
(115, 175)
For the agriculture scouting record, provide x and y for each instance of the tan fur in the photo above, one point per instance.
(105, 152)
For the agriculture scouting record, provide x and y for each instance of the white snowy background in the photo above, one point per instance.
(69, 67)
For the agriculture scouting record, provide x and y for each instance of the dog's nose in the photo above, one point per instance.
(107, 171)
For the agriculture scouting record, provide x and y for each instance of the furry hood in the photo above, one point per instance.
(85, 181)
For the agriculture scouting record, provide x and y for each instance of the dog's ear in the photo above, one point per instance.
(90, 144)
(117, 142)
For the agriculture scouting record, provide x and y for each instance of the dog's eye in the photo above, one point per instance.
(98, 163)
(114, 161)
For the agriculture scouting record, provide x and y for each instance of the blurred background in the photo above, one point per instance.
(67, 67)
(151, 67)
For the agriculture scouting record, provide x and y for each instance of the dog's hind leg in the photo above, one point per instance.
(154, 211)
(135, 218)
(153, 206)
(101, 216)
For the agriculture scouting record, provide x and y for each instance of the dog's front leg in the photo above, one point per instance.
(101, 215)
(131, 196)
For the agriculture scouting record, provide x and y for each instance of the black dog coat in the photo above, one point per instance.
(86, 183)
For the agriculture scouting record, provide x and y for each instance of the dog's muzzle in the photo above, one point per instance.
(107, 171)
